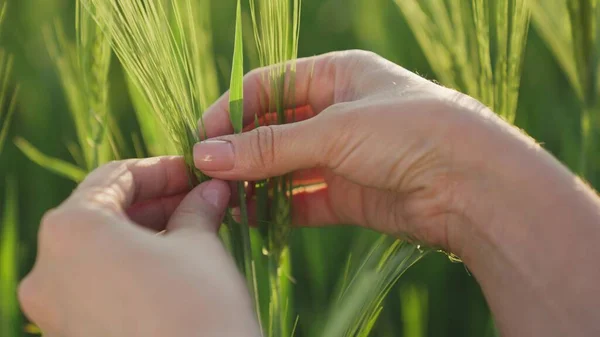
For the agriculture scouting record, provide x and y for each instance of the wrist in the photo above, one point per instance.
(529, 235)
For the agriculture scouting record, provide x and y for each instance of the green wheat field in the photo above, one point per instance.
(81, 86)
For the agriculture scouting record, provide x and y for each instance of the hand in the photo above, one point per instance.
(393, 149)
(404, 156)
(104, 270)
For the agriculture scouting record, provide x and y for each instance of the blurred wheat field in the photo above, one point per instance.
(533, 61)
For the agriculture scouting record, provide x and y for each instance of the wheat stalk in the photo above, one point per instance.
(276, 26)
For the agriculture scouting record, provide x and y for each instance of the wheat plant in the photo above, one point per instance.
(276, 25)
(198, 38)
(83, 66)
(157, 44)
(475, 46)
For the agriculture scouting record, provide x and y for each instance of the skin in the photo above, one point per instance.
(391, 152)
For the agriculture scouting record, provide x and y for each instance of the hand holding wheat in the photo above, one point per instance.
(103, 271)
(407, 157)
(389, 145)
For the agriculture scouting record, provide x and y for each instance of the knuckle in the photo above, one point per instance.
(363, 54)
(358, 57)
(26, 293)
(110, 166)
(101, 172)
(60, 230)
(254, 74)
(52, 224)
(36, 306)
(263, 146)
(116, 166)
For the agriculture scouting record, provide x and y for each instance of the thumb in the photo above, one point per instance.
(202, 209)
(264, 152)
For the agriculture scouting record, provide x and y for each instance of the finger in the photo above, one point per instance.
(154, 214)
(316, 81)
(118, 185)
(202, 209)
(267, 151)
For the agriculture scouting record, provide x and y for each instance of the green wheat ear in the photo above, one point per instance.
(83, 66)
(276, 29)
(157, 46)
(471, 50)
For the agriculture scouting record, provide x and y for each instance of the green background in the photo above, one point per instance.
(451, 303)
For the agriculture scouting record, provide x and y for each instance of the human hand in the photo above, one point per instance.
(104, 270)
(407, 157)
(392, 148)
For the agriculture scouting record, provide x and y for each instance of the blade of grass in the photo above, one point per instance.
(569, 28)
(7, 120)
(10, 317)
(60, 167)
(240, 232)
(362, 299)
(551, 20)
(236, 91)
(413, 300)
(583, 15)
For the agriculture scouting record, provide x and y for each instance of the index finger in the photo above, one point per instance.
(118, 185)
(316, 81)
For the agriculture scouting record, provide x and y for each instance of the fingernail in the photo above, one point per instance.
(214, 155)
(214, 193)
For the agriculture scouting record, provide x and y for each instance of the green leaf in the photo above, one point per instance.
(552, 21)
(362, 298)
(413, 300)
(236, 92)
(55, 165)
(240, 231)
